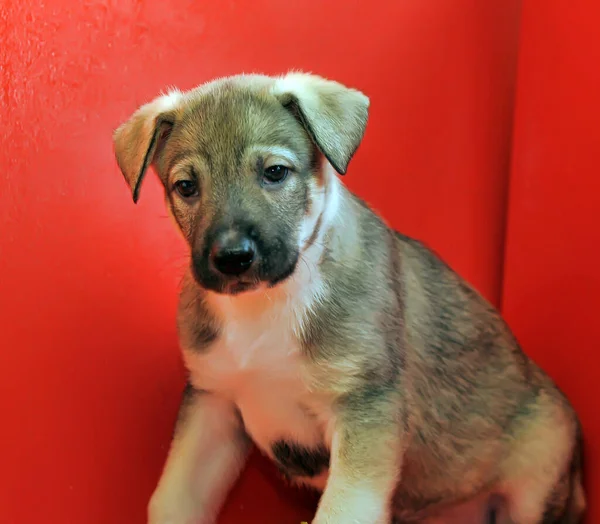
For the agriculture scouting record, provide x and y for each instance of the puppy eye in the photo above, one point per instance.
(275, 174)
(186, 188)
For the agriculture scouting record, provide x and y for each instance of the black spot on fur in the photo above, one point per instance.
(188, 395)
(307, 201)
(297, 461)
(315, 234)
(204, 335)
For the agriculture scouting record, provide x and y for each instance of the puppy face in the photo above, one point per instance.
(239, 171)
(242, 162)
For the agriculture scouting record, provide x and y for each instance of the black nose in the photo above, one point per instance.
(232, 254)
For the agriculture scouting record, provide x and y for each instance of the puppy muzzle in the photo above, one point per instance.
(237, 258)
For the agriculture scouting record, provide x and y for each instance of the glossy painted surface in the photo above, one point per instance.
(89, 368)
(552, 283)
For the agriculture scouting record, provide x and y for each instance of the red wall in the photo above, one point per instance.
(89, 373)
(552, 282)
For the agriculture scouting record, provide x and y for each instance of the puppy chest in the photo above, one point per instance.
(260, 368)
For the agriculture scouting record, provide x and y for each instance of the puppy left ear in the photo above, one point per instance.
(334, 116)
(137, 141)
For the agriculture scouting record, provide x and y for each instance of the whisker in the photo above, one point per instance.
(308, 266)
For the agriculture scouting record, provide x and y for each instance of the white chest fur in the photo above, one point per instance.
(258, 364)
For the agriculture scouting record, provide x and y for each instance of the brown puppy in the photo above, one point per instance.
(347, 352)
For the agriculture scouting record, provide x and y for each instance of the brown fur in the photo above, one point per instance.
(436, 406)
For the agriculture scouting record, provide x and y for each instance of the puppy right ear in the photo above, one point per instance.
(137, 141)
(333, 115)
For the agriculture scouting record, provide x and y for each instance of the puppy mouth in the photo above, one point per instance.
(237, 286)
(230, 287)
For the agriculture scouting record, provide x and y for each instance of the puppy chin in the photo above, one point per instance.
(216, 283)
(230, 287)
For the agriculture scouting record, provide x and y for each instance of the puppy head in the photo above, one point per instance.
(242, 161)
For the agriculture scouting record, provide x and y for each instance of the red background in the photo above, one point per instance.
(89, 369)
(551, 281)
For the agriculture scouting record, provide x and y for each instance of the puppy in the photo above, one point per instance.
(348, 353)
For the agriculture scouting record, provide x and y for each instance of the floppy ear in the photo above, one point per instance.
(334, 115)
(137, 140)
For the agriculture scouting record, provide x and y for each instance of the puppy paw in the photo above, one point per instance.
(351, 514)
(166, 508)
(347, 518)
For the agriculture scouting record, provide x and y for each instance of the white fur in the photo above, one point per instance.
(301, 85)
(170, 100)
(326, 200)
(256, 362)
(273, 153)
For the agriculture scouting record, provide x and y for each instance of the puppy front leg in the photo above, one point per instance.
(208, 451)
(365, 463)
